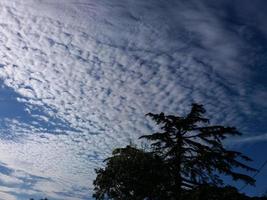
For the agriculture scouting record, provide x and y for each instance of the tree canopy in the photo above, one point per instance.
(186, 154)
(194, 151)
(132, 174)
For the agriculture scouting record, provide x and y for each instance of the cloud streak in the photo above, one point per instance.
(84, 73)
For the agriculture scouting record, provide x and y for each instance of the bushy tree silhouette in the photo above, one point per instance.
(186, 154)
(132, 174)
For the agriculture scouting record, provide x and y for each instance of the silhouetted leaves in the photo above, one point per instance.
(186, 155)
(132, 174)
(194, 149)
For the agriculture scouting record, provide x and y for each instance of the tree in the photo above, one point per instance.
(132, 174)
(193, 150)
(186, 154)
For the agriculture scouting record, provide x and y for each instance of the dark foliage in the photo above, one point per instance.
(132, 174)
(194, 152)
(187, 154)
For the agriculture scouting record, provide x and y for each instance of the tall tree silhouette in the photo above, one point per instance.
(194, 152)
(187, 153)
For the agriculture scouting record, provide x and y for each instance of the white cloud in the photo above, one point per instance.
(86, 72)
(7, 180)
(5, 195)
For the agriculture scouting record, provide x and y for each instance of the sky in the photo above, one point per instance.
(78, 76)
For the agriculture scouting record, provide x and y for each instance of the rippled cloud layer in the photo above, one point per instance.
(77, 78)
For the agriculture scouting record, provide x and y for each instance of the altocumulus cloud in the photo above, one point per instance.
(82, 74)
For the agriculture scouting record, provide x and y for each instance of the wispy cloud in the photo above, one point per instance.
(83, 74)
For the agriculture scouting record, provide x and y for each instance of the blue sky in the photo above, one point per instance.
(78, 76)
